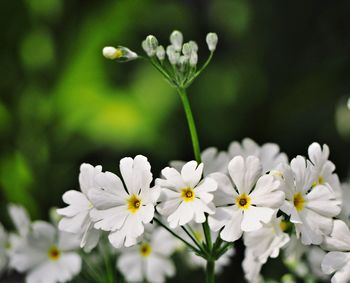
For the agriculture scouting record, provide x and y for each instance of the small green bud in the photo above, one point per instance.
(212, 41)
(120, 54)
(176, 39)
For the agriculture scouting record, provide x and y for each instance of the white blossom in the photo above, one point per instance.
(311, 209)
(212, 41)
(184, 196)
(76, 216)
(269, 153)
(150, 259)
(337, 261)
(245, 199)
(47, 256)
(124, 210)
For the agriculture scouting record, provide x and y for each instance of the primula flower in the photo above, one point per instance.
(338, 260)
(76, 216)
(269, 153)
(268, 240)
(150, 260)
(20, 219)
(311, 209)
(245, 199)
(184, 196)
(251, 267)
(46, 256)
(124, 210)
(323, 169)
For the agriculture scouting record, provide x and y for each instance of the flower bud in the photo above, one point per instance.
(194, 45)
(187, 49)
(150, 45)
(193, 59)
(212, 41)
(349, 103)
(160, 52)
(121, 53)
(176, 39)
(173, 55)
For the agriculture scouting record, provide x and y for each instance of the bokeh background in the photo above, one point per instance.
(281, 73)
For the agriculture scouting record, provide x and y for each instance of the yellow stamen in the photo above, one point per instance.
(299, 201)
(117, 54)
(320, 181)
(283, 225)
(134, 203)
(145, 249)
(54, 253)
(188, 194)
(243, 201)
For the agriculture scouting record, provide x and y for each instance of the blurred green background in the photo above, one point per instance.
(281, 73)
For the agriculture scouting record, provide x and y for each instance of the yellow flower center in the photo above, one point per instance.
(54, 253)
(319, 181)
(283, 225)
(117, 54)
(299, 201)
(145, 249)
(188, 194)
(243, 201)
(198, 235)
(134, 203)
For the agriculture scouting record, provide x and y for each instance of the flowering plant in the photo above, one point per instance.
(201, 207)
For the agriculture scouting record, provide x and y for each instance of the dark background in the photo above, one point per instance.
(281, 73)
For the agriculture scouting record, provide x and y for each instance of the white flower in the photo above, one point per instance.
(293, 251)
(269, 153)
(267, 241)
(345, 213)
(47, 257)
(184, 196)
(123, 211)
(315, 256)
(323, 169)
(20, 219)
(311, 209)
(212, 159)
(150, 260)
(76, 216)
(245, 200)
(338, 260)
(4, 246)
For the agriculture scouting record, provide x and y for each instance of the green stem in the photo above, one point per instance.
(177, 236)
(210, 272)
(191, 123)
(193, 238)
(207, 234)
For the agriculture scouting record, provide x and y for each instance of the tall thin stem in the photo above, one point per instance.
(191, 123)
(210, 273)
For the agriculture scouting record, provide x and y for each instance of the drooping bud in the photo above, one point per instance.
(150, 45)
(212, 41)
(173, 55)
(160, 52)
(120, 54)
(176, 39)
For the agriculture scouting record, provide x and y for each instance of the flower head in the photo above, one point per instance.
(124, 210)
(311, 209)
(150, 259)
(212, 41)
(47, 255)
(184, 196)
(76, 216)
(245, 199)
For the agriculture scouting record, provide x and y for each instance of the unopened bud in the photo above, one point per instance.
(173, 55)
(160, 52)
(176, 39)
(212, 41)
(193, 59)
(150, 45)
(121, 53)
